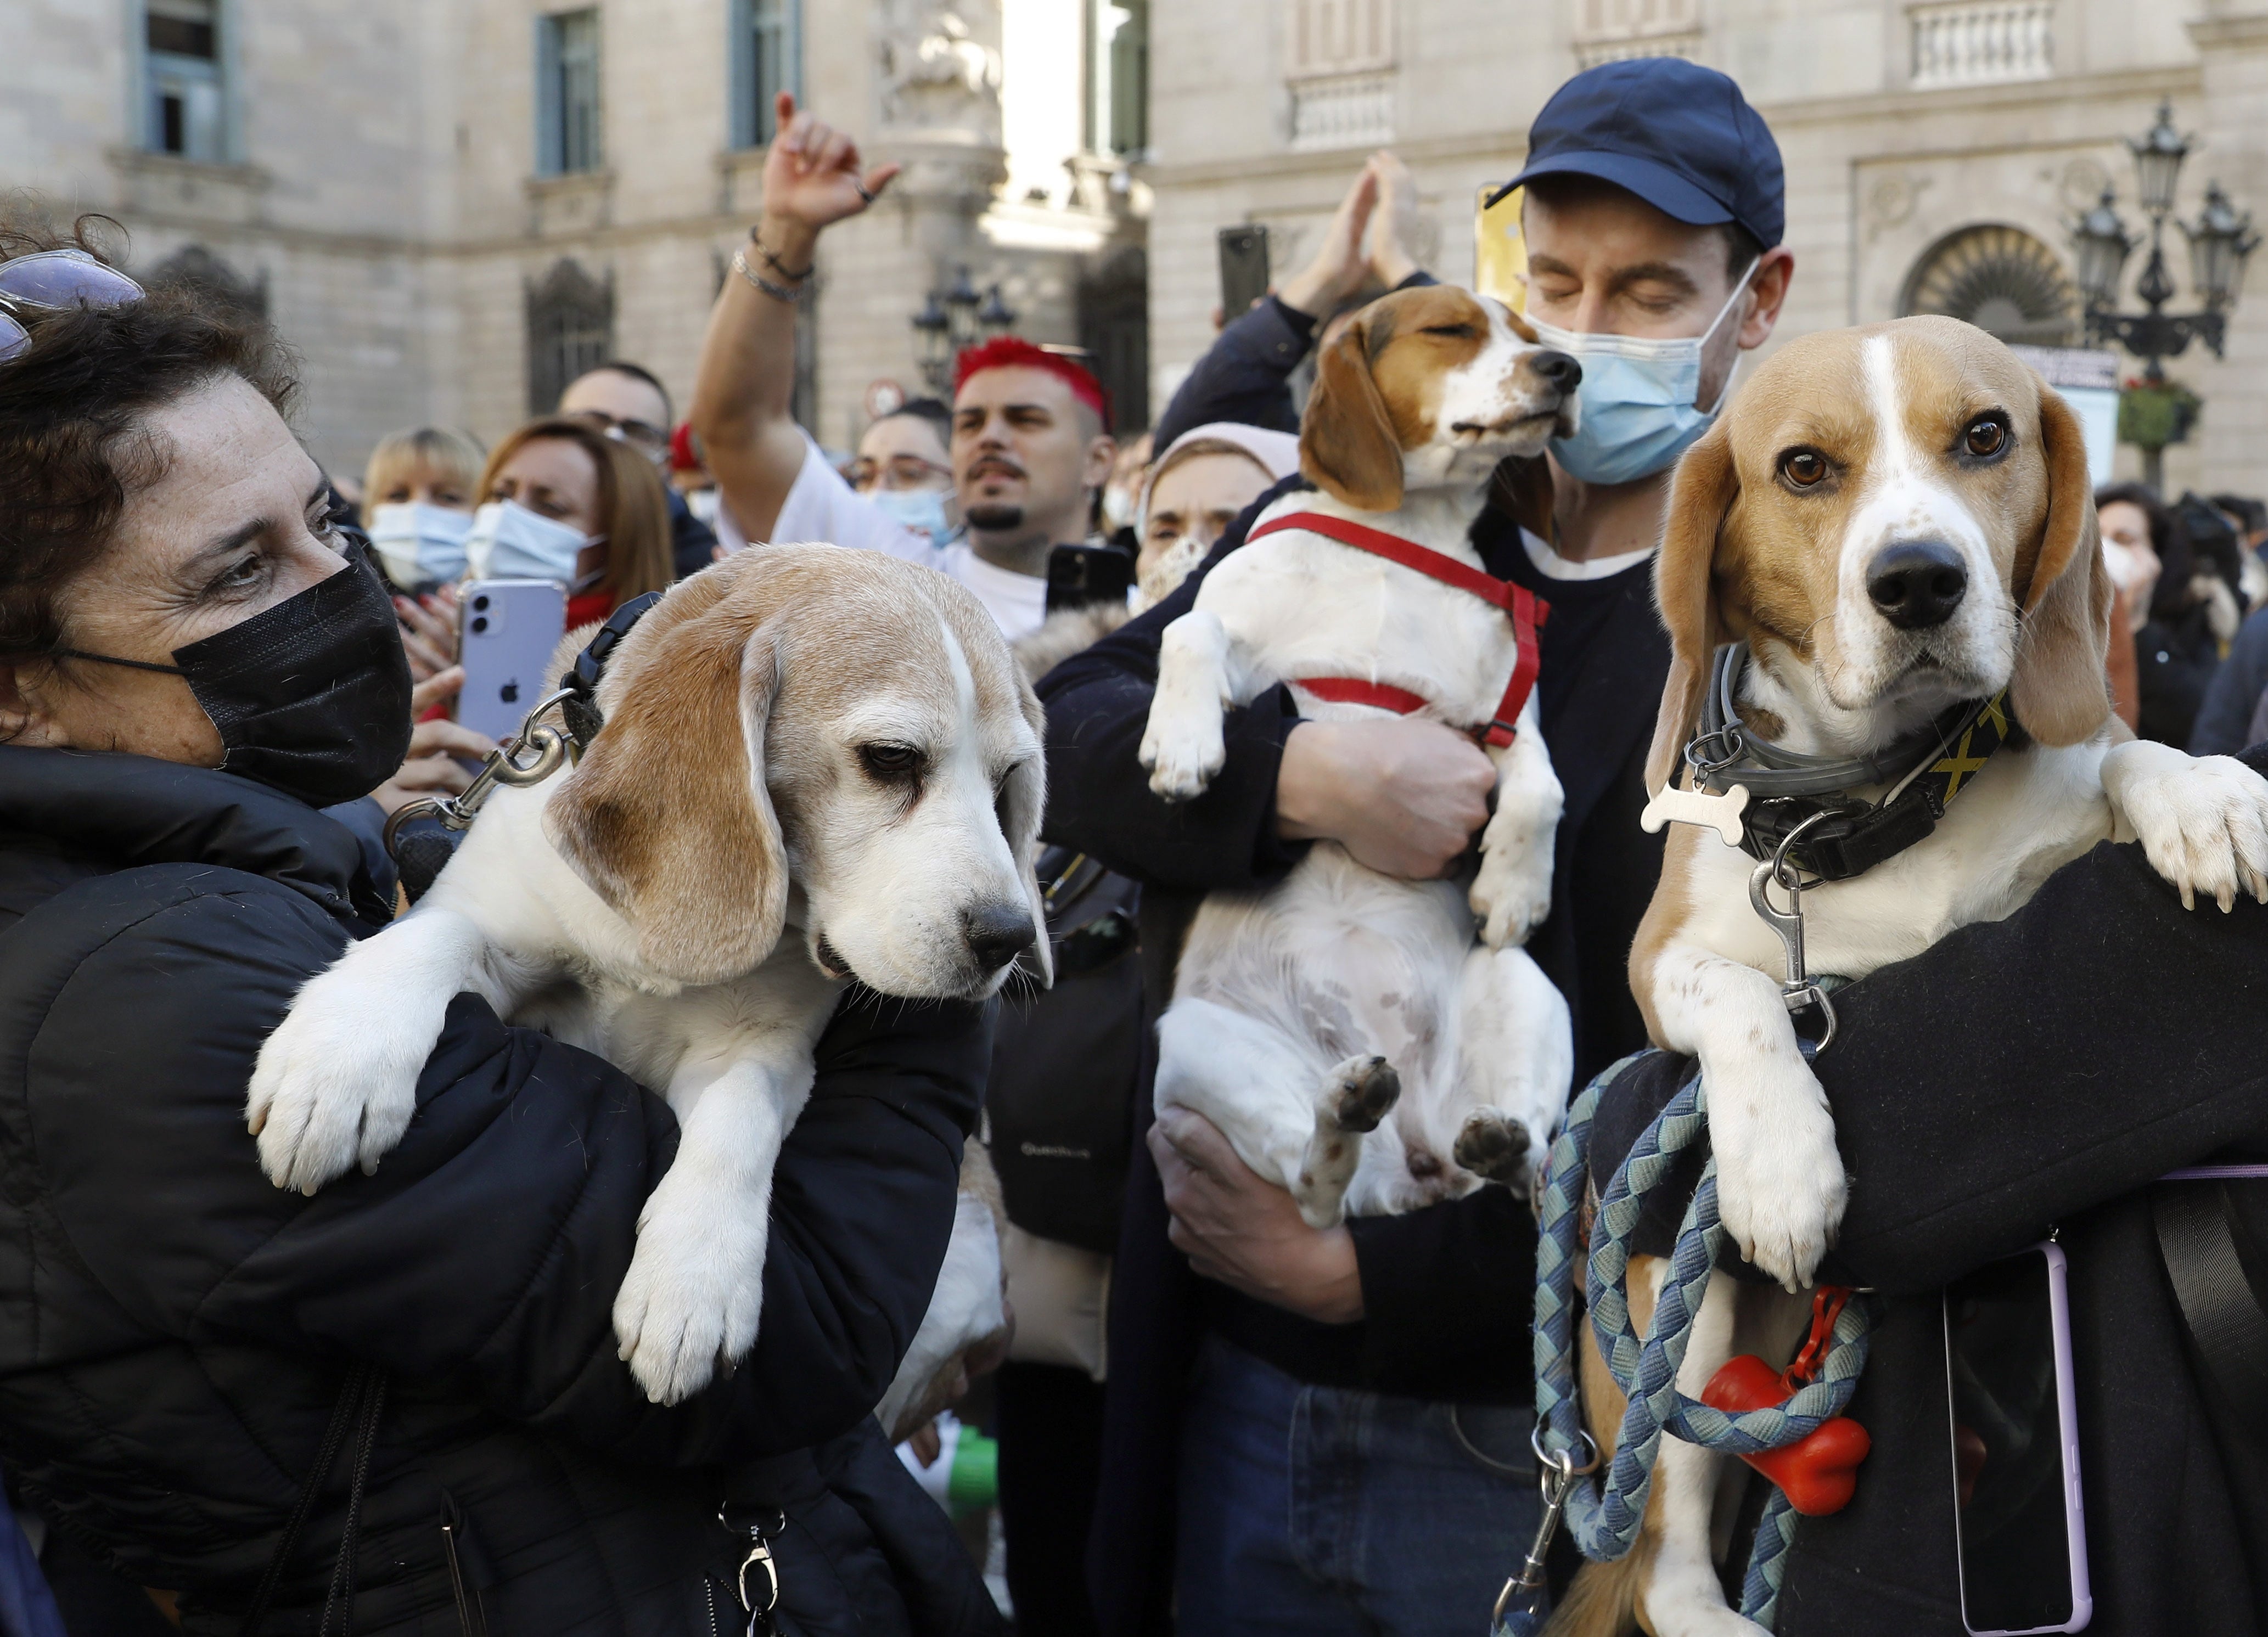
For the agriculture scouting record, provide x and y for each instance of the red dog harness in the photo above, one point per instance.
(1528, 611)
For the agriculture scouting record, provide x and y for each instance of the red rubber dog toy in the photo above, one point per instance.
(1819, 1474)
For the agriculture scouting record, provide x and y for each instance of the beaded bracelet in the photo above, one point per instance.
(777, 266)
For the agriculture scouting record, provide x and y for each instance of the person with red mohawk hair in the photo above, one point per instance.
(1031, 443)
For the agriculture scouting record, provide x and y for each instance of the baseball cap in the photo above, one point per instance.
(1678, 135)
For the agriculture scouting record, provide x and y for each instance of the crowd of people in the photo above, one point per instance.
(1213, 1416)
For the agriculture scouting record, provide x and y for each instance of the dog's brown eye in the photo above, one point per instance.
(890, 761)
(1803, 467)
(1985, 437)
(1460, 332)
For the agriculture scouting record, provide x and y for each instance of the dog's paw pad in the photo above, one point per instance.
(1360, 1093)
(1494, 1146)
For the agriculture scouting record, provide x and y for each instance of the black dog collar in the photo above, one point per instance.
(580, 685)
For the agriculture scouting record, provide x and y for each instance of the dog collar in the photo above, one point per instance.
(580, 686)
(1788, 788)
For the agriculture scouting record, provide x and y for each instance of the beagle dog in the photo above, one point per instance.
(1896, 522)
(818, 767)
(1305, 1015)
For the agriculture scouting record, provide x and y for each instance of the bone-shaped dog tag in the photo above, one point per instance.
(1720, 813)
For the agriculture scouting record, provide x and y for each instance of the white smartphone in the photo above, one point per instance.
(2015, 1447)
(506, 631)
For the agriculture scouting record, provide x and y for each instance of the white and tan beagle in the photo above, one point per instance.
(1304, 1015)
(818, 767)
(1896, 521)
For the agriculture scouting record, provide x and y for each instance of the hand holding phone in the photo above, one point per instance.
(1243, 269)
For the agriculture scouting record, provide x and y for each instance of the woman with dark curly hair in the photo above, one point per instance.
(399, 1401)
(2177, 649)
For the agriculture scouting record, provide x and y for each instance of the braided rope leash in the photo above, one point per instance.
(1605, 1516)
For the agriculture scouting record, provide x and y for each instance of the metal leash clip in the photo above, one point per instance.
(761, 1623)
(1797, 989)
(1526, 1595)
(545, 748)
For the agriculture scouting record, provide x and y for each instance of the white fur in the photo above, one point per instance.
(2203, 824)
(967, 1307)
(1282, 996)
(510, 920)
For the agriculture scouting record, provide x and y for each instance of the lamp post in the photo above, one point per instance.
(2219, 241)
(953, 318)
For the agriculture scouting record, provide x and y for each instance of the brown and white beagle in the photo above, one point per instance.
(1898, 523)
(817, 767)
(1305, 1013)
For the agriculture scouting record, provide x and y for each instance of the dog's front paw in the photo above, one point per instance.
(1511, 894)
(695, 1290)
(336, 1084)
(2202, 821)
(1780, 1188)
(1497, 1148)
(1181, 758)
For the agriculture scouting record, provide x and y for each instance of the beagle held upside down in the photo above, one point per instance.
(1305, 1015)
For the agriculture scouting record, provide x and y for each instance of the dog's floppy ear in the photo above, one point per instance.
(2060, 690)
(1702, 492)
(666, 818)
(1523, 493)
(1022, 801)
(1347, 445)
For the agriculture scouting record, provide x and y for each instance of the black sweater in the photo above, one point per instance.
(179, 1328)
(2034, 1073)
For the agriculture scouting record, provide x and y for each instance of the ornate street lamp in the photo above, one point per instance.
(2219, 244)
(995, 317)
(951, 320)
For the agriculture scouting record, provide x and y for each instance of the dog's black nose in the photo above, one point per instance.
(1560, 370)
(1917, 584)
(996, 933)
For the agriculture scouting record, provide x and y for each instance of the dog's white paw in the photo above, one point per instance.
(695, 1290)
(2203, 821)
(1182, 757)
(1511, 894)
(336, 1084)
(1690, 1617)
(1780, 1187)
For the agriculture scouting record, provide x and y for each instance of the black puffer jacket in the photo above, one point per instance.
(178, 1330)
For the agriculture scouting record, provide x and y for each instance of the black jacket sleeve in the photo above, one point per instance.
(2224, 722)
(2023, 1071)
(1243, 375)
(1098, 797)
(489, 1245)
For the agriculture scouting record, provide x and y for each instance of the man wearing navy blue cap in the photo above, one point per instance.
(1324, 1431)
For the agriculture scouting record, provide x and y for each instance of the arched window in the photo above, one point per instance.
(571, 329)
(2001, 279)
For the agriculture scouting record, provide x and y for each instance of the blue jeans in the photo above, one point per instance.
(1318, 1510)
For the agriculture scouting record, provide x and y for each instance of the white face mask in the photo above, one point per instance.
(510, 542)
(419, 544)
(922, 510)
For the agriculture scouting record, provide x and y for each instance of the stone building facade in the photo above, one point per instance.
(1936, 152)
(449, 206)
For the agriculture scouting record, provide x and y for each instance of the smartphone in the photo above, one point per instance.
(506, 631)
(1243, 270)
(1080, 575)
(2015, 1447)
(1499, 252)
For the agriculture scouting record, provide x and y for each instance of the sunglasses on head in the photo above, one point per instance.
(52, 281)
(645, 434)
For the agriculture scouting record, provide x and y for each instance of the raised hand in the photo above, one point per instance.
(1394, 224)
(1337, 268)
(813, 176)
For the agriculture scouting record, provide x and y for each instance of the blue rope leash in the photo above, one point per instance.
(1605, 1518)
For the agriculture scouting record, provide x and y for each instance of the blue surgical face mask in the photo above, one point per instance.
(1638, 412)
(510, 542)
(419, 544)
(922, 509)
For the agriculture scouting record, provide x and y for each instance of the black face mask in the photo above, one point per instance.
(310, 697)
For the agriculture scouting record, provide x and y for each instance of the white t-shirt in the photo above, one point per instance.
(820, 506)
(1549, 561)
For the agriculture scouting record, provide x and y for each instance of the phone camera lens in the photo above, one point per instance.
(480, 602)
(479, 625)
